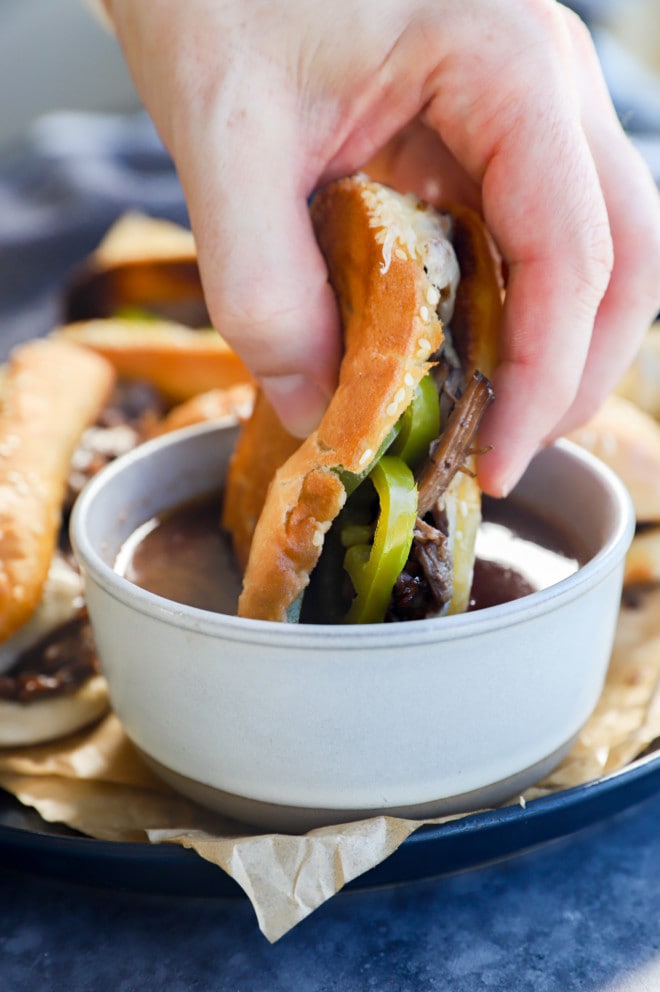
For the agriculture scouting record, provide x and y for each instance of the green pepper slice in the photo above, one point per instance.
(373, 569)
(419, 424)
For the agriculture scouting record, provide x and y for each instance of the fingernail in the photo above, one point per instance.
(298, 402)
(510, 478)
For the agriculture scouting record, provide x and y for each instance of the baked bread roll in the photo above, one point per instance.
(178, 361)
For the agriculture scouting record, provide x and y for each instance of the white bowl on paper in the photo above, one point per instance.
(289, 727)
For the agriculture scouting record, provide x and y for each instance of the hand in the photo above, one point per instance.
(501, 105)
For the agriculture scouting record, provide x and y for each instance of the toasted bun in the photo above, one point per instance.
(628, 440)
(263, 445)
(226, 407)
(391, 266)
(48, 719)
(136, 236)
(179, 361)
(144, 263)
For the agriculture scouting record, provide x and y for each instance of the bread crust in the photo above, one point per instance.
(263, 445)
(51, 392)
(226, 407)
(477, 314)
(391, 330)
(178, 361)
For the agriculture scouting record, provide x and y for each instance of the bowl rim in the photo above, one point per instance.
(357, 637)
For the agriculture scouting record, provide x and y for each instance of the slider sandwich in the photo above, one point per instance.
(50, 684)
(70, 403)
(374, 516)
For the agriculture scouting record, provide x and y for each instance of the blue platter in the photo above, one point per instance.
(30, 845)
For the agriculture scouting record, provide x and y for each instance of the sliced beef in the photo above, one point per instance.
(450, 451)
(425, 585)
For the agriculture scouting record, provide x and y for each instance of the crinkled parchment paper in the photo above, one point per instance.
(96, 783)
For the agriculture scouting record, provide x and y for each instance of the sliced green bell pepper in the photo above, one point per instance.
(374, 568)
(419, 424)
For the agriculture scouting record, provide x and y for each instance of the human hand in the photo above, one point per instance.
(499, 105)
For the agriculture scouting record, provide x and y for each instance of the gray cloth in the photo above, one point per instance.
(76, 173)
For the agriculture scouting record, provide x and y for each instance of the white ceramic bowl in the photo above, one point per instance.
(289, 727)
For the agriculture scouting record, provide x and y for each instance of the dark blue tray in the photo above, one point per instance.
(30, 845)
(41, 241)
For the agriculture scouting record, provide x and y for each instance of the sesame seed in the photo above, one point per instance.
(432, 296)
(392, 409)
(399, 396)
(365, 456)
(424, 344)
(317, 538)
(408, 379)
(424, 313)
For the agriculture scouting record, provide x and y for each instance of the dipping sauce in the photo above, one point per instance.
(519, 552)
(184, 556)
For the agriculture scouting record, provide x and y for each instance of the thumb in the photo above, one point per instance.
(264, 278)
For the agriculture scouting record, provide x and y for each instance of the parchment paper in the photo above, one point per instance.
(96, 783)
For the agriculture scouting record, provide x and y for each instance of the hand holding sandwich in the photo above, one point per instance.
(498, 105)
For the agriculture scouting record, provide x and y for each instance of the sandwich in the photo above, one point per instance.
(90, 391)
(374, 516)
(138, 301)
(50, 682)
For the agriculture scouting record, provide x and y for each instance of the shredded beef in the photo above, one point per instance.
(425, 585)
(450, 451)
(431, 549)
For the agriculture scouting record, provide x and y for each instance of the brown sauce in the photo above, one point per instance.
(519, 552)
(184, 556)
